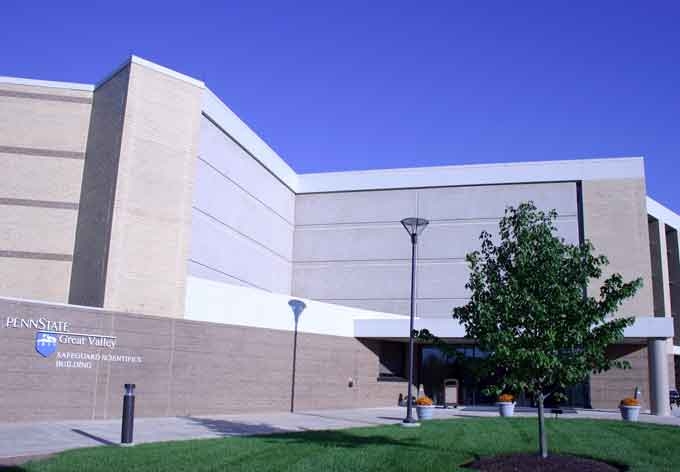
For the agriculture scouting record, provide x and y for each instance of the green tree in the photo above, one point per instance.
(529, 308)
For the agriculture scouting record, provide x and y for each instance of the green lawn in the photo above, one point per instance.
(436, 446)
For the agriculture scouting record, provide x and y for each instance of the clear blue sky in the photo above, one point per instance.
(344, 85)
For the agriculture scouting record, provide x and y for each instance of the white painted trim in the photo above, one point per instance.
(479, 174)
(221, 114)
(46, 83)
(644, 327)
(218, 302)
(663, 214)
(444, 328)
(151, 65)
(164, 70)
(651, 327)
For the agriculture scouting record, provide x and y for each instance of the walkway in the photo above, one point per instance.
(20, 442)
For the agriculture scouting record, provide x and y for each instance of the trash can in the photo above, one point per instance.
(450, 393)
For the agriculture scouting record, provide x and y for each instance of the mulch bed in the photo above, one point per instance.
(533, 463)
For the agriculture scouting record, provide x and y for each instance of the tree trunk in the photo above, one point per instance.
(542, 438)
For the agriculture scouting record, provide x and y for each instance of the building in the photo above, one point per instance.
(160, 239)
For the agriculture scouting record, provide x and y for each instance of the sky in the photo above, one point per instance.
(364, 85)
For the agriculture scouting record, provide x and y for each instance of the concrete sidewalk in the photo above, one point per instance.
(20, 442)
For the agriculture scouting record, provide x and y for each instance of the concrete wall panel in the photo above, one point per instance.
(490, 201)
(380, 280)
(218, 247)
(223, 153)
(197, 269)
(229, 204)
(351, 242)
(432, 308)
(354, 207)
(350, 248)
(242, 227)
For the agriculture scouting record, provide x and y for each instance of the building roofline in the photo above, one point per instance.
(46, 83)
(229, 122)
(475, 174)
(151, 65)
(379, 179)
(663, 213)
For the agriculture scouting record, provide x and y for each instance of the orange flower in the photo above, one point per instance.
(506, 397)
(424, 401)
(630, 401)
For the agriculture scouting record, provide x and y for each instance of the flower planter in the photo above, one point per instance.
(506, 408)
(424, 411)
(629, 413)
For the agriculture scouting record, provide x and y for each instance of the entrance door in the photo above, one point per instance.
(436, 366)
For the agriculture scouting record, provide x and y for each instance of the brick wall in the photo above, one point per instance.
(188, 368)
(608, 388)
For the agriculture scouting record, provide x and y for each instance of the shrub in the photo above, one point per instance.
(506, 397)
(424, 401)
(630, 401)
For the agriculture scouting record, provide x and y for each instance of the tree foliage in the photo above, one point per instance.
(529, 310)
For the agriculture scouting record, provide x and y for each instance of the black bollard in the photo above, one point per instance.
(128, 414)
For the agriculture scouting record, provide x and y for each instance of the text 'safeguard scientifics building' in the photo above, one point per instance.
(148, 236)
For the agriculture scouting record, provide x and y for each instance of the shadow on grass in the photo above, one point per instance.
(13, 464)
(522, 461)
(220, 428)
(340, 438)
(353, 421)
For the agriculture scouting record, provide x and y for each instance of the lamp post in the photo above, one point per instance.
(414, 227)
(297, 306)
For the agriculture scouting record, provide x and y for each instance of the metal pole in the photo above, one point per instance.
(292, 384)
(128, 414)
(409, 412)
(542, 438)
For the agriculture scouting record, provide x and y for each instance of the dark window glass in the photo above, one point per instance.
(392, 359)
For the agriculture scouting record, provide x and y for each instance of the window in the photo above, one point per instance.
(393, 360)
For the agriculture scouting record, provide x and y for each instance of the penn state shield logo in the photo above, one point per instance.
(45, 343)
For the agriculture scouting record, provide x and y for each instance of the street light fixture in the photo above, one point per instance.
(297, 306)
(414, 227)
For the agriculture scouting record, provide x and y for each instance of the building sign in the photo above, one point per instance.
(45, 343)
(56, 337)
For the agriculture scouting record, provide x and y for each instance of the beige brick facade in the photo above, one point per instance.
(133, 231)
(615, 221)
(43, 132)
(152, 205)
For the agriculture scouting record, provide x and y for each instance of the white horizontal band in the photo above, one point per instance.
(46, 83)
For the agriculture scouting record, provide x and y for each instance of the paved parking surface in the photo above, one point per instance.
(22, 441)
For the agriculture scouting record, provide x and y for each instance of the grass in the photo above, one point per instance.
(436, 446)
